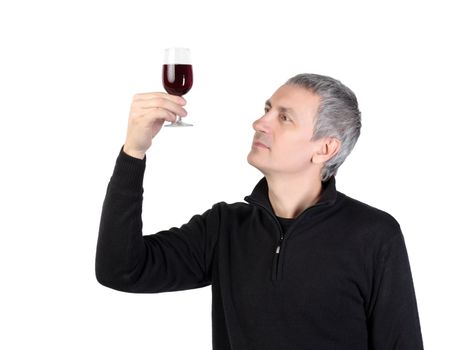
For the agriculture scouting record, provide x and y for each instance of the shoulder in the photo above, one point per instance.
(224, 209)
(367, 219)
(366, 211)
(237, 208)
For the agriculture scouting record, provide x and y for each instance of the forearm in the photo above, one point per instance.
(120, 241)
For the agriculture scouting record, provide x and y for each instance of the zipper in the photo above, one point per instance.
(276, 268)
(276, 260)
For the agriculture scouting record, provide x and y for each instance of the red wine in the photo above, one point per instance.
(177, 78)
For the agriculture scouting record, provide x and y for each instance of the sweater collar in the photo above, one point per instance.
(260, 194)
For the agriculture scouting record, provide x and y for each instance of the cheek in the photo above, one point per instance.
(296, 153)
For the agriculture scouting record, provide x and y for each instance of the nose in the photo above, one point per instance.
(261, 124)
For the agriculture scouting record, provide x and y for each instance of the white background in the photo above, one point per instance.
(68, 71)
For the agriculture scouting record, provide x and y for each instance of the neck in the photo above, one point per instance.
(290, 195)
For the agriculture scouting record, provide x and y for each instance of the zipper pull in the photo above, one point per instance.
(279, 245)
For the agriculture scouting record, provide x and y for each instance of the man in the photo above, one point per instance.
(300, 265)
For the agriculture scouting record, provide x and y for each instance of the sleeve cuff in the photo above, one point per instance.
(128, 172)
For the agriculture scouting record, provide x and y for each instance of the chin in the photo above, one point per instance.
(253, 161)
(250, 159)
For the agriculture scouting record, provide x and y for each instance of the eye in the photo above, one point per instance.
(267, 109)
(284, 118)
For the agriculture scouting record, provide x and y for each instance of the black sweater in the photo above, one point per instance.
(339, 278)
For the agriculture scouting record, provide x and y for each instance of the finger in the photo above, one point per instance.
(160, 114)
(146, 116)
(160, 103)
(151, 95)
(138, 112)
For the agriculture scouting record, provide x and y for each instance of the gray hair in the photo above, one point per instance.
(338, 116)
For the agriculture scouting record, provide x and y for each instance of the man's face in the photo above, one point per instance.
(282, 142)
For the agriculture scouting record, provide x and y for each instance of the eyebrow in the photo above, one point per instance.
(281, 108)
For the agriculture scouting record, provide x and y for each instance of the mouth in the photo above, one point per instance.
(260, 145)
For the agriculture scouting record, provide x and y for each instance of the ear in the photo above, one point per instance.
(326, 148)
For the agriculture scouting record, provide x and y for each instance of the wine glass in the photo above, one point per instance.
(177, 75)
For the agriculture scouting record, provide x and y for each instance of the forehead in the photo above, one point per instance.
(301, 101)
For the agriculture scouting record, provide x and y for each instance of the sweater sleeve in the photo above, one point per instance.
(393, 318)
(171, 260)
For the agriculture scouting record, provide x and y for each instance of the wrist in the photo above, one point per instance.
(133, 153)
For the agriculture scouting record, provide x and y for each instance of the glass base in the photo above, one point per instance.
(178, 124)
